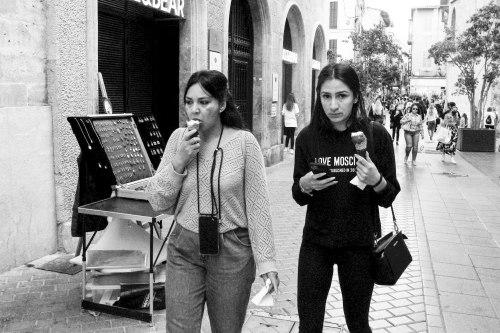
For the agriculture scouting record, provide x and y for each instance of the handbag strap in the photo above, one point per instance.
(372, 156)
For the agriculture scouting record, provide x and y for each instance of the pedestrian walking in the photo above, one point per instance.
(341, 219)
(212, 178)
(376, 112)
(396, 116)
(449, 146)
(413, 129)
(290, 111)
(430, 119)
(464, 121)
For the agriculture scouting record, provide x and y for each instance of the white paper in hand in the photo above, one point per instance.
(263, 298)
(358, 183)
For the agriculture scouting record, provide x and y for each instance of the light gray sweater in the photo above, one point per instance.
(244, 196)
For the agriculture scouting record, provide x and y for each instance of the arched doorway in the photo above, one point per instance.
(287, 72)
(318, 55)
(240, 59)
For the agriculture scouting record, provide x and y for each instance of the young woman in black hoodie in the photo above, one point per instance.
(341, 220)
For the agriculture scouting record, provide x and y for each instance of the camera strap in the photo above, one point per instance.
(216, 207)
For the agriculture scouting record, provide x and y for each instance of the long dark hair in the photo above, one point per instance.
(290, 100)
(346, 74)
(215, 84)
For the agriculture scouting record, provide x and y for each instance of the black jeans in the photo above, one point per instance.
(315, 277)
(290, 135)
(395, 132)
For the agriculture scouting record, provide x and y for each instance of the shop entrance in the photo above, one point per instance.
(287, 79)
(240, 56)
(138, 57)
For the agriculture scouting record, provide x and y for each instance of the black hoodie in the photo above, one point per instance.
(342, 215)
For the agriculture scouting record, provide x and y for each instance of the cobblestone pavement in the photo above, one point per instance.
(450, 213)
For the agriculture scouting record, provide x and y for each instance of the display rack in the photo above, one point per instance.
(128, 209)
(113, 142)
(151, 137)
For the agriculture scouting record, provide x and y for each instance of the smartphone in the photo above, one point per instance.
(319, 167)
(208, 230)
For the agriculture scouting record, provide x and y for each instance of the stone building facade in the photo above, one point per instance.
(51, 52)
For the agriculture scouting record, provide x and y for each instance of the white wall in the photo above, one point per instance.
(428, 29)
(27, 195)
(345, 25)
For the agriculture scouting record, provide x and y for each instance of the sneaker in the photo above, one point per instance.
(442, 158)
(291, 151)
(286, 149)
(405, 161)
(453, 160)
(397, 143)
(414, 163)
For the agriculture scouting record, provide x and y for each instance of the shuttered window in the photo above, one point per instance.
(333, 46)
(112, 59)
(334, 14)
(125, 55)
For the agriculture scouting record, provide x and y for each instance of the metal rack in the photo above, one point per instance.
(130, 209)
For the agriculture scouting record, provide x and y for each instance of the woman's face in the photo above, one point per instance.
(448, 119)
(202, 106)
(337, 100)
(414, 109)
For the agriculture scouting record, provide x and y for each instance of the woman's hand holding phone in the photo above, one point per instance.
(315, 181)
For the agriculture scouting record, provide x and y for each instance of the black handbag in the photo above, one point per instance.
(390, 256)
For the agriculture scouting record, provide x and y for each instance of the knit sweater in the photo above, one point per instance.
(342, 215)
(243, 191)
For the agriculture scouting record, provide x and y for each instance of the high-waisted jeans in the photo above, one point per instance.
(224, 282)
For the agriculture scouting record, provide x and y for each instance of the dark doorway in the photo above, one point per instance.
(313, 90)
(287, 78)
(138, 57)
(313, 83)
(241, 59)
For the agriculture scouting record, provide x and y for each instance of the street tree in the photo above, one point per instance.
(476, 54)
(378, 60)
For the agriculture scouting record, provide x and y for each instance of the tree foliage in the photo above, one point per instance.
(378, 59)
(476, 54)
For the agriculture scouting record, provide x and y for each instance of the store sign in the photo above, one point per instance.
(316, 64)
(289, 56)
(174, 7)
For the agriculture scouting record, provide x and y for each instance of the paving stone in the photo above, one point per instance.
(456, 322)
(419, 327)
(418, 317)
(435, 321)
(396, 321)
(401, 302)
(381, 305)
(400, 329)
(460, 286)
(378, 324)
(401, 311)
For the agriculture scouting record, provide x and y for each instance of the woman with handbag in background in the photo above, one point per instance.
(212, 178)
(413, 128)
(341, 219)
(447, 136)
